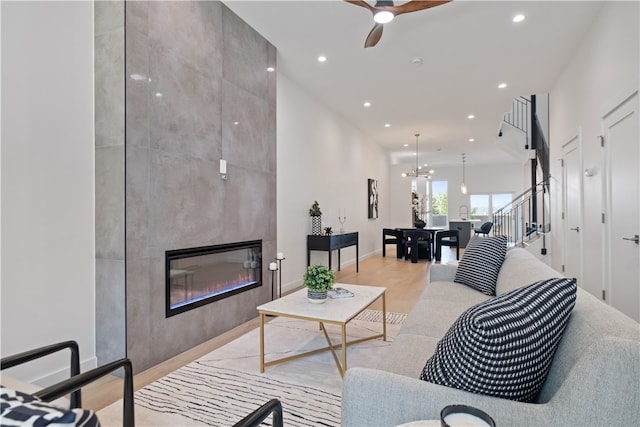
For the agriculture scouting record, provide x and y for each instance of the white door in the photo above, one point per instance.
(622, 189)
(572, 183)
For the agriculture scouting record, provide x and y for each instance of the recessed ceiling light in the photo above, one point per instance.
(518, 18)
(432, 171)
(158, 94)
(502, 85)
(138, 77)
(367, 104)
(271, 69)
(471, 139)
(416, 61)
(322, 58)
(471, 116)
(406, 145)
(387, 125)
(236, 123)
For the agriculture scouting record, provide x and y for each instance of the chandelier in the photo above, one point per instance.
(416, 172)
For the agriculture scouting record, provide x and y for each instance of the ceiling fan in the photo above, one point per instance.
(384, 11)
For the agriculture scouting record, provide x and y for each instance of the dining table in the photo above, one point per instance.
(414, 235)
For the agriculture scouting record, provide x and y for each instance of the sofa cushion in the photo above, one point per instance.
(21, 409)
(439, 305)
(401, 358)
(481, 262)
(504, 346)
(521, 268)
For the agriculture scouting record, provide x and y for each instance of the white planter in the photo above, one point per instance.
(316, 297)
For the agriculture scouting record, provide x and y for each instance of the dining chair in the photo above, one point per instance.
(447, 238)
(484, 228)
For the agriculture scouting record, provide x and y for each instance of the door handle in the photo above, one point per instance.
(635, 239)
(575, 229)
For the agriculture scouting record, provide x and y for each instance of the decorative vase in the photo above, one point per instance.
(316, 297)
(419, 224)
(316, 225)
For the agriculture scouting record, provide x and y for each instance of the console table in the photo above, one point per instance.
(331, 243)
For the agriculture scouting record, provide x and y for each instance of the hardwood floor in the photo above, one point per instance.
(404, 282)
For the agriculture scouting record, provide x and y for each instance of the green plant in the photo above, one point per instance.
(319, 278)
(315, 209)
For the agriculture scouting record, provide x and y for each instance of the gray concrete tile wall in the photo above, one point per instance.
(210, 68)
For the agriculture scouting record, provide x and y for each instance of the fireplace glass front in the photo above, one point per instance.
(198, 276)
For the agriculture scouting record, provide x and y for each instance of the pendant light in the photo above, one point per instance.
(463, 186)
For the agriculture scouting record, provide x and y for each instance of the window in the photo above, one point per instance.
(439, 203)
(484, 205)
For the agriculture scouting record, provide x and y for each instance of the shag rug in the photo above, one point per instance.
(221, 388)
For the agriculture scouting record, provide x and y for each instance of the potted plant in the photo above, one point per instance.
(316, 218)
(318, 279)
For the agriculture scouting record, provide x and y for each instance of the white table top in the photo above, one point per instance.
(339, 310)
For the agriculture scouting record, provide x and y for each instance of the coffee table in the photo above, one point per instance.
(334, 311)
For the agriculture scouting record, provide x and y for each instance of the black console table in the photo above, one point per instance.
(331, 243)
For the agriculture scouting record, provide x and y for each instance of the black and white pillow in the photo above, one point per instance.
(481, 262)
(504, 346)
(20, 409)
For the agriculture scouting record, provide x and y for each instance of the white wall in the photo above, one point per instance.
(322, 157)
(47, 277)
(602, 73)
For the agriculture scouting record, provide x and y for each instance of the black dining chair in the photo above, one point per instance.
(447, 238)
(417, 245)
(391, 236)
(484, 228)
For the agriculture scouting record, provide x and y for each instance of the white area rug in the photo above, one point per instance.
(222, 387)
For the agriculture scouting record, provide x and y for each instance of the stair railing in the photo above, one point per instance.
(515, 219)
(518, 117)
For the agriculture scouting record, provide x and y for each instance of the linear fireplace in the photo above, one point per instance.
(199, 276)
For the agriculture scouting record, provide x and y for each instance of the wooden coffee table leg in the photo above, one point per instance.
(261, 342)
(344, 349)
(384, 316)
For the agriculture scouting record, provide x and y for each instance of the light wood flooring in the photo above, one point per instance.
(404, 282)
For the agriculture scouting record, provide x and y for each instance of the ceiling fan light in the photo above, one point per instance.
(383, 17)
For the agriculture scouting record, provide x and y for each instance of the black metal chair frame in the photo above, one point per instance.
(447, 238)
(255, 418)
(77, 380)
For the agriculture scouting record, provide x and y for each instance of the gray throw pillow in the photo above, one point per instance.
(481, 262)
(504, 346)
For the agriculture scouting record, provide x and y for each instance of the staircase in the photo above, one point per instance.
(519, 219)
(526, 218)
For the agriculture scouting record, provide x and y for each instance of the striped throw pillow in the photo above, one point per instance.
(504, 346)
(481, 262)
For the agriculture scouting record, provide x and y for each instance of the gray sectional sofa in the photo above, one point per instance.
(594, 379)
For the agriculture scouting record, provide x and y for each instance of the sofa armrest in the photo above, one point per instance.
(442, 273)
(371, 397)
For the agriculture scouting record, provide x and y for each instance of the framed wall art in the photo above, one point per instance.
(372, 186)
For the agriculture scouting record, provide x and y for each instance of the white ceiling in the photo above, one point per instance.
(468, 47)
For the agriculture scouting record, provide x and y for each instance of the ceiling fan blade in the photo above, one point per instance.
(415, 5)
(374, 36)
(361, 3)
